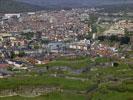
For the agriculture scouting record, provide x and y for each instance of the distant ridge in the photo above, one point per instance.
(117, 8)
(12, 6)
(109, 5)
(74, 3)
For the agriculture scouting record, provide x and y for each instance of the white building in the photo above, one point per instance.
(81, 45)
(12, 15)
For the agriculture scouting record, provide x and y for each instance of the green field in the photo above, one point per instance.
(112, 95)
(104, 83)
(51, 96)
(15, 82)
(79, 63)
(75, 63)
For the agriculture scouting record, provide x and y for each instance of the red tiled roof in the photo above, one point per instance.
(4, 65)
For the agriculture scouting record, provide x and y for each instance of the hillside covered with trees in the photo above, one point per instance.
(12, 6)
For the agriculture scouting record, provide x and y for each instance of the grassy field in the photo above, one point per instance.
(105, 83)
(112, 95)
(51, 96)
(75, 63)
(15, 82)
(70, 63)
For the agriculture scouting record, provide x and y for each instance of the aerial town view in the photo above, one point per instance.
(66, 49)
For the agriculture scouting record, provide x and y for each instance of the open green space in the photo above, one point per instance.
(50, 96)
(104, 83)
(63, 83)
(73, 63)
(112, 95)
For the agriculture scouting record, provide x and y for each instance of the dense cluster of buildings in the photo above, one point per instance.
(56, 25)
(27, 39)
(119, 28)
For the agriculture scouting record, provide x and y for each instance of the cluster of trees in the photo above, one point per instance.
(115, 38)
(21, 54)
(28, 35)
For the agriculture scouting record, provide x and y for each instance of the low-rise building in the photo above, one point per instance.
(56, 47)
(81, 45)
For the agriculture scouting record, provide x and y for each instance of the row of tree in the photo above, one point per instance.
(115, 38)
